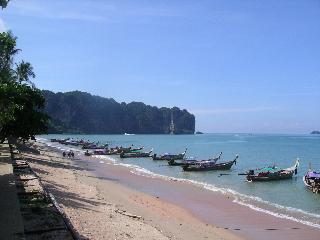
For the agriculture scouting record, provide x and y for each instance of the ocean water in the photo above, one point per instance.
(286, 199)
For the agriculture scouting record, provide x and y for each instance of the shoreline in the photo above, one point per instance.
(227, 214)
(223, 191)
(250, 201)
(94, 204)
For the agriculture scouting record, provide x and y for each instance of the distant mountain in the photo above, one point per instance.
(315, 132)
(81, 112)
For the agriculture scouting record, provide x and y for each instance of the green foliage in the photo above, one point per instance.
(4, 3)
(21, 104)
(80, 112)
(24, 71)
(7, 51)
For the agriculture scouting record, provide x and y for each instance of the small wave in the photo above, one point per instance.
(40, 139)
(279, 215)
(107, 158)
(239, 198)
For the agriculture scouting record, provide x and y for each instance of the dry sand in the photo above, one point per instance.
(105, 209)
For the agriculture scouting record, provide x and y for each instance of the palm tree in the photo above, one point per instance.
(7, 50)
(24, 71)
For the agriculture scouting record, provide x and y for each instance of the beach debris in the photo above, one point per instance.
(125, 213)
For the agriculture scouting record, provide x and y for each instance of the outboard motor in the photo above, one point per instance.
(251, 172)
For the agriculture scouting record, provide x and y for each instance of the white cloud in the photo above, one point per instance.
(233, 110)
(2, 26)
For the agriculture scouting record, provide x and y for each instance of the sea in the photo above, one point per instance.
(288, 199)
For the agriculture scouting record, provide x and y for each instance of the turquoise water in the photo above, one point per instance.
(288, 198)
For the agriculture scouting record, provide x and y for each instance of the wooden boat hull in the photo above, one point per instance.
(91, 147)
(141, 155)
(170, 157)
(270, 177)
(217, 166)
(164, 158)
(174, 163)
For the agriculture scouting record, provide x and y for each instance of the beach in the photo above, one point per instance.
(102, 208)
(164, 120)
(111, 202)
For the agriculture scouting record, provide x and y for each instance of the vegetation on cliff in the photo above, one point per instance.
(80, 112)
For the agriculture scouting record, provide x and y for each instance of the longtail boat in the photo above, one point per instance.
(272, 173)
(136, 154)
(191, 161)
(63, 141)
(94, 146)
(169, 157)
(72, 142)
(135, 149)
(183, 162)
(100, 152)
(312, 181)
(119, 150)
(210, 165)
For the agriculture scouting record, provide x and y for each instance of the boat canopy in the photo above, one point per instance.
(268, 169)
(313, 175)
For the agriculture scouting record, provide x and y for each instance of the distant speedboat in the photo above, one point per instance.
(128, 134)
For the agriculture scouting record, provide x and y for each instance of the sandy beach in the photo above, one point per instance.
(104, 209)
(110, 202)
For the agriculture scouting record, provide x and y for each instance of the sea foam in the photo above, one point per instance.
(238, 198)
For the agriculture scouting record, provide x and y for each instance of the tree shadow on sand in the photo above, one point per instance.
(70, 199)
(54, 164)
(27, 149)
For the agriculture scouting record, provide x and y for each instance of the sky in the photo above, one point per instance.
(238, 66)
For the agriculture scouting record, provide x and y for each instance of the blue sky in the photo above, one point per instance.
(239, 66)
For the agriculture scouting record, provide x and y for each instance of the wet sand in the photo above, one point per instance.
(101, 207)
(212, 208)
(175, 210)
